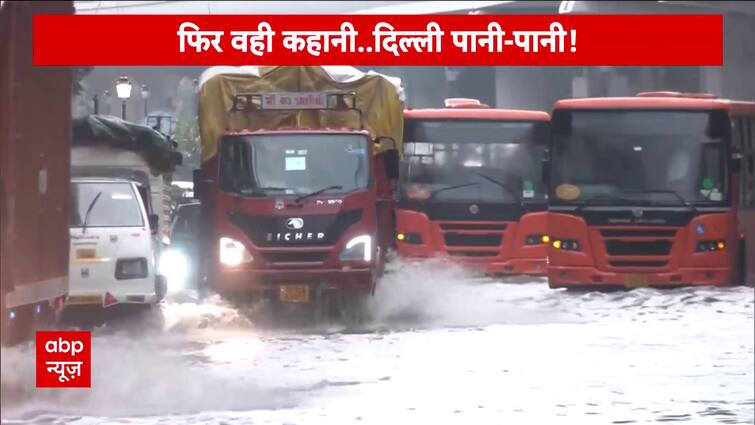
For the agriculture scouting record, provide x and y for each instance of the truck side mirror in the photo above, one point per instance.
(199, 182)
(380, 139)
(392, 164)
(154, 221)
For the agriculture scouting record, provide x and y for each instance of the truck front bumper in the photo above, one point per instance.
(255, 280)
(576, 277)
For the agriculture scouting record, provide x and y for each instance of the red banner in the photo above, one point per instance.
(469, 40)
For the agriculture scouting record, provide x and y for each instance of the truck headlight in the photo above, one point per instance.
(233, 252)
(358, 249)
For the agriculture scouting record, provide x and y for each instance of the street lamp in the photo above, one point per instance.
(123, 91)
(145, 96)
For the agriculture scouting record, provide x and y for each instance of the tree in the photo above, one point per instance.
(79, 73)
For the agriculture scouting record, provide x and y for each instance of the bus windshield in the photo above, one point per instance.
(473, 160)
(645, 157)
(294, 164)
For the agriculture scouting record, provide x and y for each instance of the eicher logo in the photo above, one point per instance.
(295, 223)
(295, 236)
(64, 359)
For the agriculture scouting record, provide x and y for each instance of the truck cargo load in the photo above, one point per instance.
(379, 98)
(107, 146)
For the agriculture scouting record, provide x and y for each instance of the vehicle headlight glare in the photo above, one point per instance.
(233, 252)
(174, 266)
(358, 248)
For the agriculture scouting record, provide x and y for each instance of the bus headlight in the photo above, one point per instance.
(358, 249)
(233, 252)
(567, 244)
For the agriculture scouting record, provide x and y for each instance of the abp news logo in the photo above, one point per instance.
(64, 359)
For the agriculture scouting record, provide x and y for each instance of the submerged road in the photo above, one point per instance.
(442, 348)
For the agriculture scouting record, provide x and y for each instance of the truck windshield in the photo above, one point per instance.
(294, 164)
(645, 157)
(499, 161)
(117, 205)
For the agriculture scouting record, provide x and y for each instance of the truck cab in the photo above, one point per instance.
(471, 187)
(114, 245)
(298, 214)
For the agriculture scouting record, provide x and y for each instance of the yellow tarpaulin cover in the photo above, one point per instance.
(377, 96)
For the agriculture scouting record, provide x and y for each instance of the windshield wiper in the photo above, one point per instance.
(317, 192)
(681, 199)
(89, 211)
(503, 186)
(445, 188)
(256, 191)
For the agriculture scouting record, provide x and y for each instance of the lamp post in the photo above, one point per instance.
(123, 90)
(145, 96)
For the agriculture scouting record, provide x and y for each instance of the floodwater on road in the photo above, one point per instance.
(442, 347)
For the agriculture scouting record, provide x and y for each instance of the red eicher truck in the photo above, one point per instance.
(471, 187)
(297, 182)
(652, 190)
(34, 176)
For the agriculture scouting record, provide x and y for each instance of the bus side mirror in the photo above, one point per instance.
(735, 163)
(545, 169)
(154, 221)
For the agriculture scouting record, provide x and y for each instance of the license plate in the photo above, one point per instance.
(86, 253)
(84, 299)
(294, 293)
(636, 281)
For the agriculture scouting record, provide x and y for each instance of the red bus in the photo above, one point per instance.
(650, 190)
(471, 187)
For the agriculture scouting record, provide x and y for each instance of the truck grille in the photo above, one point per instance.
(264, 230)
(294, 257)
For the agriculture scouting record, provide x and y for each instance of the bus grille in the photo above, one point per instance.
(473, 253)
(620, 247)
(462, 239)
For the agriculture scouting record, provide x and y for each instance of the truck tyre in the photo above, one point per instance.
(355, 308)
(20, 328)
